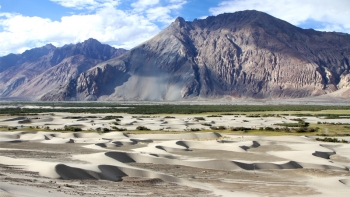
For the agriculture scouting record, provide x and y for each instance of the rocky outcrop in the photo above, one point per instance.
(41, 70)
(246, 54)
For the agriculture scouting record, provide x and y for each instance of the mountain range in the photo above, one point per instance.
(247, 54)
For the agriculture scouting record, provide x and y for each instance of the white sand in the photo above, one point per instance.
(167, 149)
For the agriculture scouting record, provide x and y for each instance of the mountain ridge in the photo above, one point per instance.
(20, 73)
(246, 54)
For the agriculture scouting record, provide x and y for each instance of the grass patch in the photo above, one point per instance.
(213, 116)
(199, 118)
(334, 140)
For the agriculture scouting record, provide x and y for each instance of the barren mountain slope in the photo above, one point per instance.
(243, 54)
(40, 70)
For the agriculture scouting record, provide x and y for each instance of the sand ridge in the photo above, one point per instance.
(118, 156)
(113, 165)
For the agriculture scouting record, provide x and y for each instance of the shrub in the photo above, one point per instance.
(105, 130)
(269, 129)
(115, 123)
(335, 140)
(240, 129)
(169, 117)
(142, 128)
(253, 115)
(199, 118)
(206, 124)
(119, 129)
(195, 129)
(218, 128)
(111, 117)
(70, 128)
(214, 116)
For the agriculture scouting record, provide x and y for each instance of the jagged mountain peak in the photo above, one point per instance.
(39, 70)
(50, 46)
(247, 54)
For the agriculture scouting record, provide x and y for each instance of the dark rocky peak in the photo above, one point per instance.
(34, 54)
(49, 46)
(27, 56)
(179, 21)
(239, 20)
(8, 61)
(91, 41)
(90, 48)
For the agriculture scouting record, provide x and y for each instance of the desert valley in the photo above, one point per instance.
(238, 104)
(207, 154)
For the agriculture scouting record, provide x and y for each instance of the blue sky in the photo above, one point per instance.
(26, 24)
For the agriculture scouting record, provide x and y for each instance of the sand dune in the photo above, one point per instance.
(299, 165)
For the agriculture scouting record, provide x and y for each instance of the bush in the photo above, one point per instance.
(240, 129)
(194, 129)
(169, 117)
(214, 116)
(70, 128)
(305, 129)
(218, 128)
(115, 123)
(287, 124)
(269, 129)
(119, 129)
(105, 130)
(111, 117)
(206, 124)
(334, 140)
(142, 128)
(253, 115)
(199, 118)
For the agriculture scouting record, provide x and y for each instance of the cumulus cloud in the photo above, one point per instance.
(104, 22)
(333, 15)
(163, 13)
(86, 4)
(141, 5)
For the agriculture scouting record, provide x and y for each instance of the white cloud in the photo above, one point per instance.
(141, 5)
(163, 13)
(86, 4)
(106, 23)
(332, 14)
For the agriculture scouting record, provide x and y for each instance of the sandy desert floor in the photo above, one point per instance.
(178, 163)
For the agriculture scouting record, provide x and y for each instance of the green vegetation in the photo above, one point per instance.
(310, 110)
(218, 128)
(333, 129)
(199, 118)
(112, 117)
(70, 128)
(142, 128)
(118, 128)
(287, 124)
(211, 116)
(301, 123)
(334, 140)
(245, 129)
(194, 129)
(115, 123)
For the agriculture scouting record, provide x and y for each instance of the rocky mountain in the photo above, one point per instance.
(247, 54)
(41, 70)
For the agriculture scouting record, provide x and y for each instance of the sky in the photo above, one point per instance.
(25, 24)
